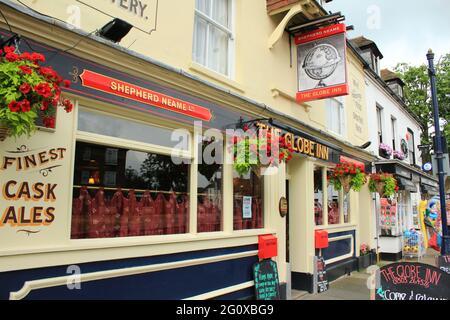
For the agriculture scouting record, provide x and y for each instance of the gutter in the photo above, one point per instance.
(93, 37)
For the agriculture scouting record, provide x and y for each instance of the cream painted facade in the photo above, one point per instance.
(259, 74)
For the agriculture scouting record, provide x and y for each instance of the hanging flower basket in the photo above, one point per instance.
(28, 91)
(385, 151)
(383, 183)
(399, 155)
(250, 150)
(347, 176)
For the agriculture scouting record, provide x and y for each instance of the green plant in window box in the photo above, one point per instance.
(383, 183)
(28, 90)
(347, 176)
(249, 150)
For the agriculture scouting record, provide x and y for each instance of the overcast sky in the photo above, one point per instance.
(404, 30)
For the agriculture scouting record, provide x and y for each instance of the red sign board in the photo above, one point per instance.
(268, 246)
(130, 91)
(322, 63)
(321, 239)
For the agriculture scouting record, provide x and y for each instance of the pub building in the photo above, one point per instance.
(122, 210)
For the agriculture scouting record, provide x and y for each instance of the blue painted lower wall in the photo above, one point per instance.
(340, 247)
(162, 285)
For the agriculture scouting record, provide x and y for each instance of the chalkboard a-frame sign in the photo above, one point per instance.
(321, 274)
(412, 281)
(267, 284)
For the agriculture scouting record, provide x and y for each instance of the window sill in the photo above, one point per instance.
(339, 227)
(115, 243)
(198, 68)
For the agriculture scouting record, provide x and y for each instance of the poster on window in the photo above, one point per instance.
(322, 63)
(247, 208)
(389, 217)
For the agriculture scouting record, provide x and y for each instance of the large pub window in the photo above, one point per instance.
(122, 191)
(210, 180)
(248, 191)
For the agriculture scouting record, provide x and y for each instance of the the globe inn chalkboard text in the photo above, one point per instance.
(412, 281)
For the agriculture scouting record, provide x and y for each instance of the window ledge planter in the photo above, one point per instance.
(364, 261)
(385, 151)
(398, 155)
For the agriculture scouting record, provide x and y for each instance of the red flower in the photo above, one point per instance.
(26, 69)
(68, 105)
(25, 56)
(25, 106)
(49, 122)
(12, 57)
(14, 106)
(10, 49)
(48, 72)
(25, 88)
(45, 105)
(43, 90)
(37, 57)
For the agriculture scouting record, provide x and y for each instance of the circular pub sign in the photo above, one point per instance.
(284, 207)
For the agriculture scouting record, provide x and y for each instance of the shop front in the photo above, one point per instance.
(402, 213)
(317, 209)
(118, 200)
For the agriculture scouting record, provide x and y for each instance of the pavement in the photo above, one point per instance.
(354, 287)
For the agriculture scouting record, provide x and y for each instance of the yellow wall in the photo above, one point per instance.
(258, 70)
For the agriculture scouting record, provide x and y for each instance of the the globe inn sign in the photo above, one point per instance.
(322, 63)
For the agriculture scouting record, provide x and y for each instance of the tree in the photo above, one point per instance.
(418, 97)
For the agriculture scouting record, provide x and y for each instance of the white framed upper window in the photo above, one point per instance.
(213, 35)
(336, 115)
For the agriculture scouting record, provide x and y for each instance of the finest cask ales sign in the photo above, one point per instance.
(29, 195)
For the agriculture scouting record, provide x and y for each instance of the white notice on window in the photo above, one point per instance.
(247, 208)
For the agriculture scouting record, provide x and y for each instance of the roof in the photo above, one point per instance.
(377, 78)
(364, 43)
(388, 75)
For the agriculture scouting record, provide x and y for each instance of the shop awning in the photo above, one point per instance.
(407, 185)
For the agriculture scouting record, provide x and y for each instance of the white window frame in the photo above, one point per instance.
(380, 124)
(395, 142)
(325, 223)
(231, 38)
(342, 123)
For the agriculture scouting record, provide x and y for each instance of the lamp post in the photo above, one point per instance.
(439, 152)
